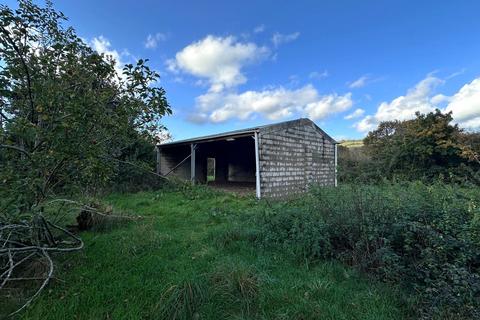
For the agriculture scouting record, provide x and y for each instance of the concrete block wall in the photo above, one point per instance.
(294, 156)
(170, 157)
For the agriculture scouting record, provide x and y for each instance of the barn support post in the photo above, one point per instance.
(158, 151)
(257, 167)
(192, 162)
(336, 162)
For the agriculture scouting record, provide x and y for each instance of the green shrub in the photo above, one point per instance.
(296, 231)
(425, 238)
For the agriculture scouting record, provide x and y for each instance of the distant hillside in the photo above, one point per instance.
(351, 143)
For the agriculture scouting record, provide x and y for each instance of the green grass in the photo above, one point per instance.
(192, 257)
(351, 143)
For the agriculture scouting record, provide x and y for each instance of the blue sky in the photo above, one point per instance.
(345, 64)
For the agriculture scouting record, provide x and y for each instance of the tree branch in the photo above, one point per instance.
(44, 284)
(19, 149)
(25, 67)
(5, 117)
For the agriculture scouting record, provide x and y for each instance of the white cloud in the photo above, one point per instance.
(274, 104)
(327, 105)
(318, 75)
(359, 83)
(404, 107)
(279, 38)
(465, 105)
(219, 62)
(456, 74)
(103, 46)
(416, 99)
(368, 123)
(471, 124)
(218, 59)
(259, 29)
(355, 114)
(294, 80)
(153, 39)
(363, 81)
(439, 99)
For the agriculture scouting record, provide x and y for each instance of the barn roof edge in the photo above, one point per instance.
(244, 132)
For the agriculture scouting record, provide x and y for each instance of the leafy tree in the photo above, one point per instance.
(66, 112)
(471, 146)
(66, 117)
(355, 165)
(427, 146)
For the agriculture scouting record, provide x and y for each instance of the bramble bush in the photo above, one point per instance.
(424, 237)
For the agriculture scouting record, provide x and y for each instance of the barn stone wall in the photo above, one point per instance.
(294, 156)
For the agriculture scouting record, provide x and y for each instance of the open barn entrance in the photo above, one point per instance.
(210, 169)
(227, 164)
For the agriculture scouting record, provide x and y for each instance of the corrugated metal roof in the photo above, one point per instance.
(217, 136)
(238, 133)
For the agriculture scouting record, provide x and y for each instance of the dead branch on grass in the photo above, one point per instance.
(25, 243)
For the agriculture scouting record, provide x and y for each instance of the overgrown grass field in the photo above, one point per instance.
(197, 254)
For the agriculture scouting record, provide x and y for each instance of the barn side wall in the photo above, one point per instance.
(293, 157)
(170, 157)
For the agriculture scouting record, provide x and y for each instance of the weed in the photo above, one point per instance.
(181, 301)
(237, 284)
(422, 237)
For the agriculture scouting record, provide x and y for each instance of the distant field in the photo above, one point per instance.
(351, 143)
(192, 256)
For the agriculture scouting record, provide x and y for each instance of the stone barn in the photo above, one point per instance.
(274, 160)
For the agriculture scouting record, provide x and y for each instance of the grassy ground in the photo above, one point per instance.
(352, 143)
(191, 257)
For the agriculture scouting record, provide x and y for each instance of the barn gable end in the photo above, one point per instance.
(294, 155)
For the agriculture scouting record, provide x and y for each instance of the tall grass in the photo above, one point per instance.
(193, 256)
(423, 237)
(181, 301)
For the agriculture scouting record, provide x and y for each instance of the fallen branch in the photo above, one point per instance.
(9, 271)
(21, 245)
(44, 284)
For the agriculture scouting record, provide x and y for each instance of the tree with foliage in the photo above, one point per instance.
(428, 146)
(67, 116)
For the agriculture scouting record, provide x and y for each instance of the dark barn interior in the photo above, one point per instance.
(227, 164)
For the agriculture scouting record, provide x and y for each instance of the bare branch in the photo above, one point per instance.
(44, 284)
(139, 167)
(18, 249)
(50, 175)
(9, 271)
(5, 117)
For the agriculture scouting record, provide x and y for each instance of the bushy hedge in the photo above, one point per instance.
(425, 238)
